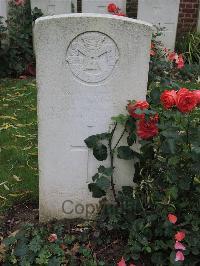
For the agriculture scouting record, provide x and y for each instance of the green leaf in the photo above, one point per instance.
(35, 244)
(120, 119)
(96, 191)
(106, 171)
(103, 183)
(124, 152)
(91, 141)
(100, 152)
(21, 248)
(54, 262)
(95, 177)
(155, 95)
(131, 139)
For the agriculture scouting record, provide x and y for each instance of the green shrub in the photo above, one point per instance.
(189, 45)
(18, 56)
(166, 178)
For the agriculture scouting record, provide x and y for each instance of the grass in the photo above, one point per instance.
(18, 142)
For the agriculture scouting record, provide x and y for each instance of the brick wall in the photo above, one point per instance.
(188, 16)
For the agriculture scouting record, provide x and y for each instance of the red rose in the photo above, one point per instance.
(112, 8)
(197, 95)
(168, 99)
(185, 100)
(172, 218)
(172, 56)
(180, 61)
(179, 236)
(147, 129)
(142, 105)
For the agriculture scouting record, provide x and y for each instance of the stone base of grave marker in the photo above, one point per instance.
(88, 66)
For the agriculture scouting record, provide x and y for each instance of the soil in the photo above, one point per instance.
(16, 217)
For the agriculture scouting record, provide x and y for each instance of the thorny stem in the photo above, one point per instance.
(112, 165)
(123, 132)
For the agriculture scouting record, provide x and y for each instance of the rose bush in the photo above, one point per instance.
(158, 217)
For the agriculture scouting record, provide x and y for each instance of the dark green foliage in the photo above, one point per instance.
(189, 45)
(17, 56)
(166, 180)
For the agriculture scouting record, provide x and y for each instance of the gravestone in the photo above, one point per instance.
(100, 6)
(163, 13)
(3, 9)
(88, 66)
(52, 7)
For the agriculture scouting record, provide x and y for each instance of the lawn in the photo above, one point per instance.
(18, 142)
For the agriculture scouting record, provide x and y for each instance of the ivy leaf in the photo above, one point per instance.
(100, 152)
(124, 152)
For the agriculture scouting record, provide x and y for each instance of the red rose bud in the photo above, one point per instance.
(186, 100)
(112, 8)
(172, 218)
(132, 107)
(168, 98)
(179, 236)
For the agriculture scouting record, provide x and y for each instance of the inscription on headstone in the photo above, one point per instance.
(92, 56)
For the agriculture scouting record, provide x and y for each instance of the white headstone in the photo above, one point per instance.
(100, 6)
(3, 9)
(88, 66)
(163, 13)
(52, 7)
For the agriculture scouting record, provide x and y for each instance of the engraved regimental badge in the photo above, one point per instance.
(92, 56)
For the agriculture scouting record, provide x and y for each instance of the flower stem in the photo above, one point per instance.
(112, 165)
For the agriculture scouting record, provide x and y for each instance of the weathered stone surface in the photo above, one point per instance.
(100, 6)
(163, 13)
(88, 66)
(52, 7)
(3, 9)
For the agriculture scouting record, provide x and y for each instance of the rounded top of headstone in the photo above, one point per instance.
(145, 24)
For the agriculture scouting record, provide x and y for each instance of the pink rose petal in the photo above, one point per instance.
(179, 256)
(179, 246)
